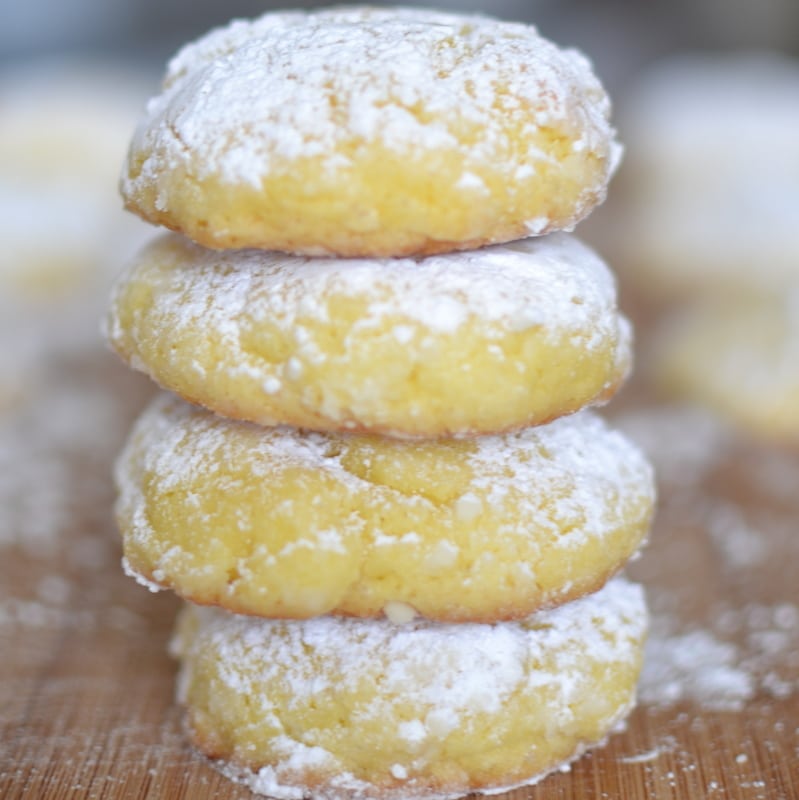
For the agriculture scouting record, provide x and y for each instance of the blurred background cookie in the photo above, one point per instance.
(738, 357)
(702, 228)
(708, 198)
(64, 125)
(64, 128)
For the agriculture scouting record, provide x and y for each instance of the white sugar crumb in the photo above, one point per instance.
(294, 368)
(471, 181)
(399, 613)
(468, 507)
(412, 731)
(276, 78)
(399, 772)
(443, 555)
(139, 578)
(403, 333)
(536, 226)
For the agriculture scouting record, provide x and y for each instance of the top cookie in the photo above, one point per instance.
(371, 132)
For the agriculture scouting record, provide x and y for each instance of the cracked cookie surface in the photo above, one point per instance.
(284, 523)
(454, 344)
(371, 132)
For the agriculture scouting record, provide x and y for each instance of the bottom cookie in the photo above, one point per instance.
(333, 708)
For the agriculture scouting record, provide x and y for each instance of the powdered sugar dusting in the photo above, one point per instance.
(605, 467)
(556, 284)
(292, 85)
(56, 448)
(725, 620)
(575, 446)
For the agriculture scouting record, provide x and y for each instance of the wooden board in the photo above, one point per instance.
(86, 685)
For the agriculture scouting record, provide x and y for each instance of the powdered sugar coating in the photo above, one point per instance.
(436, 684)
(247, 102)
(385, 60)
(376, 343)
(285, 523)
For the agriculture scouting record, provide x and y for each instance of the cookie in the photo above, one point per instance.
(341, 708)
(63, 131)
(708, 195)
(738, 357)
(285, 523)
(371, 132)
(454, 344)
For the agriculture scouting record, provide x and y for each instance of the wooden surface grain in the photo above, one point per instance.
(86, 685)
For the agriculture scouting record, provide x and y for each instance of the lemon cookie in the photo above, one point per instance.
(64, 127)
(341, 708)
(737, 356)
(461, 343)
(285, 523)
(367, 131)
(709, 196)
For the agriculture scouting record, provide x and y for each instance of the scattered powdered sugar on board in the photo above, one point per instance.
(739, 544)
(683, 442)
(770, 651)
(727, 508)
(17, 614)
(56, 450)
(748, 652)
(695, 666)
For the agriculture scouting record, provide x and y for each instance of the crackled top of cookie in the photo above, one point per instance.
(555, 283)
(401, 346)
(295, 84)
(371, 132)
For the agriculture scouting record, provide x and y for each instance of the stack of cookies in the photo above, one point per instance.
(387, 484)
